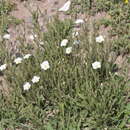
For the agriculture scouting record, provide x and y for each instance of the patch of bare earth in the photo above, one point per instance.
(23, 12)
(48, 8)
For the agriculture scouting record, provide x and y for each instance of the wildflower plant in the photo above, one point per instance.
(59, 84)
(67, 82)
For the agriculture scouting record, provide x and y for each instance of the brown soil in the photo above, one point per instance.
(47, 7)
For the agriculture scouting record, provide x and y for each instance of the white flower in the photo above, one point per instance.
(75, 34)
(41, 43)
(45, 65)
(26, 86)
(64, 42)
(32, 37)
(96, 65)
(35, 79)
(18, 60)
(79, 21)
(65, 7)
(100, 39)
(6, 36)
(68, 50)
(76, 42)
(35, 35)
(26, 56)
(3, 67)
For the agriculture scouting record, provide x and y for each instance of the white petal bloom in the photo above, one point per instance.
(41, 43)
(6, 36)
(18, 60)
(31, 37)
(96, 65)
(45, 65)
(100, 39)
(68, 50)
(35, 79)
(3, 67)
(79, 21)
(64, 42)
(26, 86)
(65, 7)
(27, 56)
(35, 35)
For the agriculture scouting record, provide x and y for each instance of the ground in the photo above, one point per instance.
(48, 9)
(82, 84)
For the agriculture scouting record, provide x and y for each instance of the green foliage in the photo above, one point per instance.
(58, 30)
(5, 7)
(5, 18)
(119, 14)
(70, 95)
